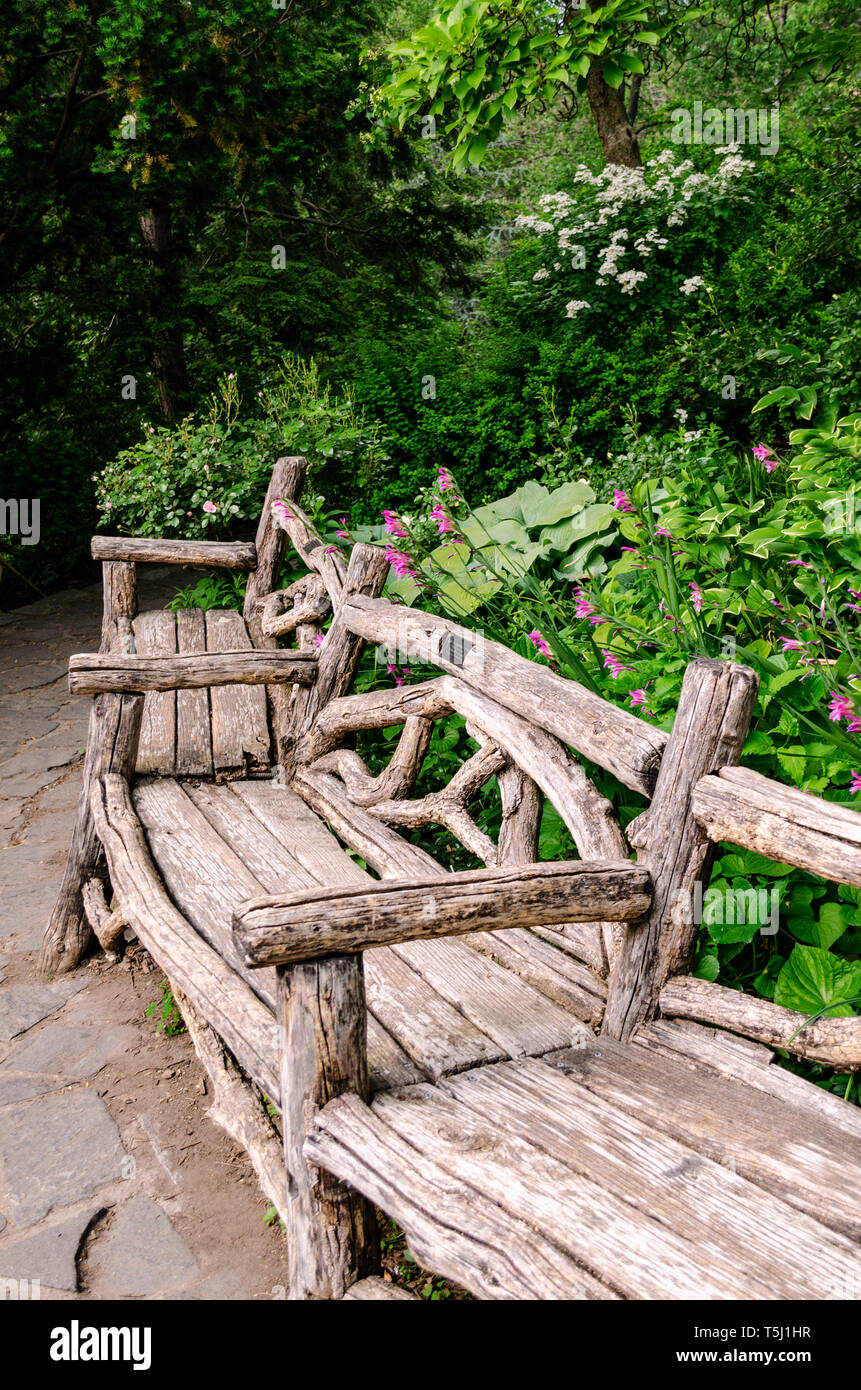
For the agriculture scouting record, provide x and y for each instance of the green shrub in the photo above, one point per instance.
(207, 476)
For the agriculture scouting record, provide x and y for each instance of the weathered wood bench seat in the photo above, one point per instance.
(512, 1062)
(611, 1171)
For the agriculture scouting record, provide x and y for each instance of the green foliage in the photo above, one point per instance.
(166, 1010)
(207, 476)
(476, 61)
(212, 591)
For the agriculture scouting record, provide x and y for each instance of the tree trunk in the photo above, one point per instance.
(168, 356)
(607, 104)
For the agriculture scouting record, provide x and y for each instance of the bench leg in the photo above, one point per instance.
(112, 746)
(332, 1238)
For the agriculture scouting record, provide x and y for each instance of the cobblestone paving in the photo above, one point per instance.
(113, 1184)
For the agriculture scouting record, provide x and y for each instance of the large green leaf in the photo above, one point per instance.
(813, 979)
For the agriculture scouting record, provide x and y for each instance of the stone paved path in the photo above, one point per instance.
(113, 1184)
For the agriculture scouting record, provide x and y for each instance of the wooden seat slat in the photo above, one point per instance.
(798, 1155)
(644, 1214)
(240, 727)
(193, 714)
(155, 635)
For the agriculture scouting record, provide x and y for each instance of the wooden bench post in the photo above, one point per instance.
(112, 746)
(332, 1238)
(711, 725)
(288, 475)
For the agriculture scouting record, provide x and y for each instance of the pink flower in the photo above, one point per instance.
(613, 664)
(637, 697)
(443, 521)
(395, 526)
(538, 641)
(400, 563)
(840, 707)
(622, 502)
(281, 511)
(696, 597)
(662, 531)
(804, 563)
(320, 639)
(445, 479)
(789, 644)
(855, 784)
(344, 533)
(761, 452)
(209, 507)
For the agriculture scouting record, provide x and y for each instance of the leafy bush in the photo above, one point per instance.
(207, 476)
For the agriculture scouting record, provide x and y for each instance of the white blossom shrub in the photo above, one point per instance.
(623, 233)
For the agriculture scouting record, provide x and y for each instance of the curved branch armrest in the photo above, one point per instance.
(230, 555)
(288, 928)
(115, 673)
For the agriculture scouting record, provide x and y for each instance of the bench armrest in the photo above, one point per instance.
(115, 673)
(230, 555)
(289, 928)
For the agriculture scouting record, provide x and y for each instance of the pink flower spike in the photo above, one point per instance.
(770, 465)
(662, 531)
(696, 597)
(789, 644)
(622, 502)
(395, 526)
(320, 639)
(854, 725)
(840, 707)
(445, 479)
(637, 697)
(614, 665)
(538, 641)
(761, 452)
(804, 563)
(400, 563)
(210, 507)
(442, 519)
(855, 784)
(281, 511)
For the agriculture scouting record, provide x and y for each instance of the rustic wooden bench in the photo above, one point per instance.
(514, 1063)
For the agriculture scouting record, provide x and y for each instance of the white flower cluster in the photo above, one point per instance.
(734, 166)
(611, 255)
(630, 279)
(527, 221)
(652, 241)
(664, 189)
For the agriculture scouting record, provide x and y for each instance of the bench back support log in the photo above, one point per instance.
(287, 479)
(710, 728)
